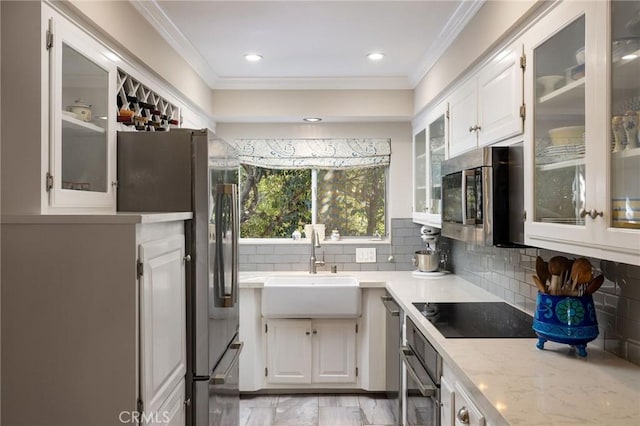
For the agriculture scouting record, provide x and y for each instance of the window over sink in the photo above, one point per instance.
(286, 184)
(276, 202)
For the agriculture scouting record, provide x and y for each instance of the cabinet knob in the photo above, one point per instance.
(315, 332)
(187, 402)
(307, 333)
(187, 258)
(471, 128)
(463, 416)
(591, 213)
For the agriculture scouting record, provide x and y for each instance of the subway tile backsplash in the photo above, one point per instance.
(295, 256)
(505, 272)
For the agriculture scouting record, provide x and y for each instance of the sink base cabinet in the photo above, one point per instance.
(305, 351)
(80, 337)
(328, 359)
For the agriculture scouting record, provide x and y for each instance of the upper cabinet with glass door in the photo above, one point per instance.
(82, 114)
(559, 126)
(583, 173)
(625, 114)
(430, 149)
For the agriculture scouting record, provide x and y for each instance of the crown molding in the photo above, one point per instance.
(454, 26)
(314, 83)
(153, 13)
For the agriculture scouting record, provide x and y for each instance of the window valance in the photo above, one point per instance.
(314, 153)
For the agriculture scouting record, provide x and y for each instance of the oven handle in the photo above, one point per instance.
(428, 390)
(392, 312)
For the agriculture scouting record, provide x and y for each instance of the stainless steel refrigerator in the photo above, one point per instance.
(191, 170)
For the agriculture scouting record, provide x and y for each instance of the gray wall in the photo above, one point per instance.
(507, 274)
(295, 256)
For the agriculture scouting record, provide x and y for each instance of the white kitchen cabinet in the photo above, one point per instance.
(108, 342)
(309, 351)
(162, 320)
(55, 160)
(288, 351)
(420, 204)
(430, 147)
(584, 185)
(333, 351)
(466, 412)
(487, 107)
(447, 414)
(172, 412)
(81, 169)
(457, 407)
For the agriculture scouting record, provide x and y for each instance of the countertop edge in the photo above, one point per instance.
(96, 218)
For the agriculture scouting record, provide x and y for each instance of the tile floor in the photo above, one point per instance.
(315, 410)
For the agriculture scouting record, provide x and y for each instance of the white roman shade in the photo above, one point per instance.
(314, 153)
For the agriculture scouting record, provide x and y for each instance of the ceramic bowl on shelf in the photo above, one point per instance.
(549, 83)
(571, 135)
(82, 110)
(565, 319)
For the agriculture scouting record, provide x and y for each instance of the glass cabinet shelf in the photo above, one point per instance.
(565, 96)
(561, 165)
(78, 127)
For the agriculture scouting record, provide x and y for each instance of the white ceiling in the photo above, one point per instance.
(309, 44)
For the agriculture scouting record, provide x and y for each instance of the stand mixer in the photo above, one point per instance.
(428, 261)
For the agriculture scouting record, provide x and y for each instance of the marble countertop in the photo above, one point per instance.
(510, 380)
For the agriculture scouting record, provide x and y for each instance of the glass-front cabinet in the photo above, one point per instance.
(624, 114)
(559, 126)
(82, 116)
(420, 176)
(429, 150)
(583, 195)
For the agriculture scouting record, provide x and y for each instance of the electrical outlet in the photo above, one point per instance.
(365, 255)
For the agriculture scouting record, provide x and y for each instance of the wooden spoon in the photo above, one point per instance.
(595, 284)
(542, 269)
(539, 284)
(581, 272)
(558, 268)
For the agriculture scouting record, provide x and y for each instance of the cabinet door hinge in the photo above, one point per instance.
(139, 269)
(49, 36)
(140, 406)
(523, 61)
(523, 111)
(266, 328)
(266, 372)
(356, 371)
(447, 114)
(356, 328)
(48, 184)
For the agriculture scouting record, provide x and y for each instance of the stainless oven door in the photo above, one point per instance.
(422, 400)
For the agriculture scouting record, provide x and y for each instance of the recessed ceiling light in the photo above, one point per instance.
(375, 56)
(312, 119)
(630, 57)
(252, 57)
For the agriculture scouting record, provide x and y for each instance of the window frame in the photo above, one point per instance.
(345, 239)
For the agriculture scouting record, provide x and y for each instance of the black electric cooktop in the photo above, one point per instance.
(478, 319)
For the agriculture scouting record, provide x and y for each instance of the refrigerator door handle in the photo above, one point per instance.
(234, 232)
(220, 379)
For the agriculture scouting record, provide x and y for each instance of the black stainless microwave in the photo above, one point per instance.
(483, 196)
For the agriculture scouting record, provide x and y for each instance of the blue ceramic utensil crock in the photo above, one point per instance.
(565, 319)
